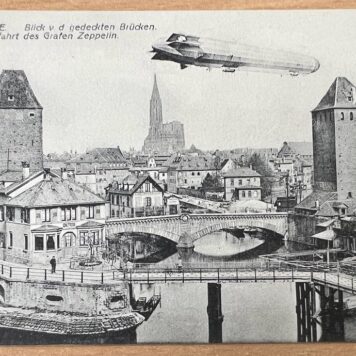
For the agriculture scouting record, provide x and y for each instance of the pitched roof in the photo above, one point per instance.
(55, 192)
(101, 155)
(11, 176)
(135, 182)
(193, 163)
(297, 148)
(341, 94)
(242, 172)
(14, 83)
(318, 195)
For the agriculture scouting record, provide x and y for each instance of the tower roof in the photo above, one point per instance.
(155, 92)
(16, 92)
(341, 94)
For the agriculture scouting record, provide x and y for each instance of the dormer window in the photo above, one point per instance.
(11, 98)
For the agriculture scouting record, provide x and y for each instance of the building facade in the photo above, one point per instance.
(20, 123)
(135, 196)
(334, 144)
(162, 138)
(46, 215)
(242, 184)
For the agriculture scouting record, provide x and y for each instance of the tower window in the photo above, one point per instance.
(351, 116)
(342, 116)
(10, 98)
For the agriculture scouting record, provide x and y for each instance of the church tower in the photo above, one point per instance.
(155, 111)
(20, 123)
(334, 143)
(162, 138)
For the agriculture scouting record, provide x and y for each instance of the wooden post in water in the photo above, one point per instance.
(215, 313)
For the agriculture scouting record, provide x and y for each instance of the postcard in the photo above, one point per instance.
(177, 177)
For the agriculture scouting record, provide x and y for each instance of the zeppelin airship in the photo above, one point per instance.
(230, 56)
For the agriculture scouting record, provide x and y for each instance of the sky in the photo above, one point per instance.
(97, 93)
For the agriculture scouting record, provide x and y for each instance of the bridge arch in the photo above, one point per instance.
(151, 230)
(237, 225)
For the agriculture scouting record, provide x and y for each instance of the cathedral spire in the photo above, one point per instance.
(155, 108)
(155, 91)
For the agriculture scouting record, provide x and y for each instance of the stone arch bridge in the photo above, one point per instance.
(172, 227)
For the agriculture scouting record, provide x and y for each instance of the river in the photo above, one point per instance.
(252, 312)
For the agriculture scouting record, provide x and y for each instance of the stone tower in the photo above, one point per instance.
(155, 111)
(20, 123)
(334, 139)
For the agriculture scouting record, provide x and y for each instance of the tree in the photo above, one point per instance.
(211, 181)
(261, 167)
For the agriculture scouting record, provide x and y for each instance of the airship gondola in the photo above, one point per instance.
(230, 56)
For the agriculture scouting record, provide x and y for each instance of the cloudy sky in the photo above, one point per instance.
(96, 93)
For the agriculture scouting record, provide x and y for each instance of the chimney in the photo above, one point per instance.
(64, 173)
(46, 174)
(317, 204)
(25, 170)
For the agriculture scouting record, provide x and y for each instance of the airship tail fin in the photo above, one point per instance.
(159, 56)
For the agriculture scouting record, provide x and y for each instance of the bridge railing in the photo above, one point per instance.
(19, 273)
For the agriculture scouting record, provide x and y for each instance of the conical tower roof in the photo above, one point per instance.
(341, 94)
(16, 92)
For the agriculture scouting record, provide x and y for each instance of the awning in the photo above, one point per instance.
(328, 235)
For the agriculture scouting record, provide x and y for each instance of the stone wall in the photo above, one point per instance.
(324, 150)
(21, 138)
(65, 297)
(345, 131)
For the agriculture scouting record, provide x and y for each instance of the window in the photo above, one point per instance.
(58, 241)
(248, 181)
(249, 193)
(148, 201)
(1, 213)
(11, 240)
(351, 116)
(25, 216)
(26, 242)
(90, 212)
(240, 181)
(69, 239)
(10, 98)
(193, 173)
(232, 182)
(112, 213)
(342, 116)
(83, 238)
(69, 213)
(50, 242)
(95, 237)
(10, 211)
(147, 187)
(32, 114)
(243, 194)
(198, 173)
(38, 242)
(46, 215)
